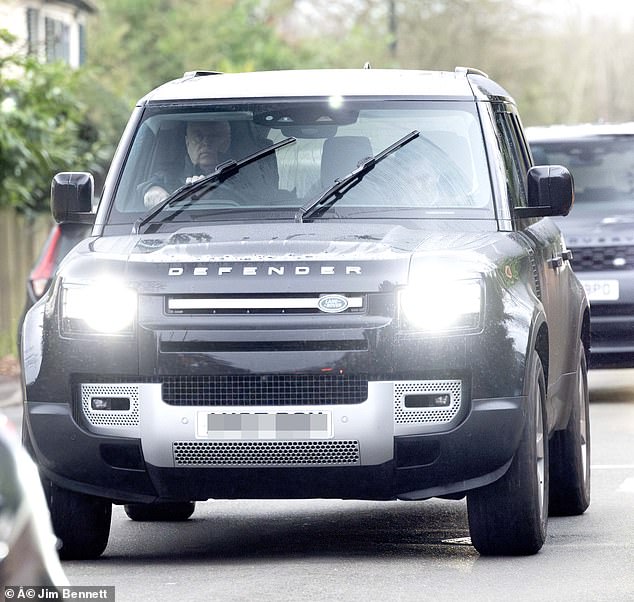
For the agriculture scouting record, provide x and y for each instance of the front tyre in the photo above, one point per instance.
(570, 452)
(509, 516)
(80, 521)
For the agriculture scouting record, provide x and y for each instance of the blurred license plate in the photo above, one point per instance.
(601, 290)
(246, 425)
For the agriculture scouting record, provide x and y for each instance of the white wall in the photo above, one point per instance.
(13, 17)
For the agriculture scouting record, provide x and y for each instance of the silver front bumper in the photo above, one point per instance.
(321, 435)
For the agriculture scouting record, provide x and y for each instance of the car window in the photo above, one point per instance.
(443, 170)
(602, 166)
(514, 159)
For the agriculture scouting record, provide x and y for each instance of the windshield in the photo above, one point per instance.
(442, 173)
(602, 167)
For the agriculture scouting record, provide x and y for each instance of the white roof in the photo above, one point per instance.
(316, 83)
(582, 130)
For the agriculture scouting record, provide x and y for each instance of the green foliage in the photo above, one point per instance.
(136, 45)
(44, 128)
(560, 69)
(561, 65)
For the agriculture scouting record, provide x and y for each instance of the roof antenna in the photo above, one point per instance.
(367, 65)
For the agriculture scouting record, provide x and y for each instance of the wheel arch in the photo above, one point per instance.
(541, 346)
(585, 330)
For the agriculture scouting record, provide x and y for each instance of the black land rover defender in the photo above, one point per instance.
(363, 297)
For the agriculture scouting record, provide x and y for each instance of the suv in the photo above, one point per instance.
(599, 230)
(364, 298)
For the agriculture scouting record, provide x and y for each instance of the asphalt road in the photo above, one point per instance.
(347, 550)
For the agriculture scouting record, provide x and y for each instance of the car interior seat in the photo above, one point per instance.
(262, 176)
(170, 150)
(341, 155)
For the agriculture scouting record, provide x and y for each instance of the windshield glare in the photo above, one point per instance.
(441, 173)
(602, 167)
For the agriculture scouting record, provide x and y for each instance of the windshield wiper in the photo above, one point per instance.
(329, 197)
(198, 188)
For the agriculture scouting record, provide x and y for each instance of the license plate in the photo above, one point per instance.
(601, 290)
(256, 426)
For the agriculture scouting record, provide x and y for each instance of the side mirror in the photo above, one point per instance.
(71, 197)
(550, 192)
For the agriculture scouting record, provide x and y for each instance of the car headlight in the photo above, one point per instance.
(442, 306)
(105, 307)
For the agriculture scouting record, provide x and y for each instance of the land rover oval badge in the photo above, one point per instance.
(332, 304)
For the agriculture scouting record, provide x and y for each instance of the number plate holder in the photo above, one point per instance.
(255, 426)
(601, 290)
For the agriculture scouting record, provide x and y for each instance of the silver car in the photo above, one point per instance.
(28, 553)
(599, 230)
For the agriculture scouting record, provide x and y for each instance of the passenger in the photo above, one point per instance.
(206, 143)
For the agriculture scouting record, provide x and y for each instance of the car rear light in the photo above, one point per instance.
(43, 271)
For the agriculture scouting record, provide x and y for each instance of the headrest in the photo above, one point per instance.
(341, 155)
(170, 148)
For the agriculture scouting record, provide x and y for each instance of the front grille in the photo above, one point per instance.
(263, 390)
(250, 390)
(264, 304)
(593, 259)
(265, 453)
(261, 346)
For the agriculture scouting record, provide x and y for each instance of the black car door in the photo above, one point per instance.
(550, 259)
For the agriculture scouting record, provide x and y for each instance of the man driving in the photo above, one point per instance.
(206, 143)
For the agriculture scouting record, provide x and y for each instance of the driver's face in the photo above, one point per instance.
(205, 140)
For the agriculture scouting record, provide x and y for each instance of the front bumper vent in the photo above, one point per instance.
(266, 453)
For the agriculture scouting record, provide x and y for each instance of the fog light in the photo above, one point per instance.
(105, 404)
(427, 400)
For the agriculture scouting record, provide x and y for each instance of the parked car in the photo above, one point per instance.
(364, 298)
(61, 239)
(28, 554)
(600, 228)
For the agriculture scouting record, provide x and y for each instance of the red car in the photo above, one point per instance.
(62, 238)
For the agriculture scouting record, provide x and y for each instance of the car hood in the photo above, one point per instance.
(285, 257)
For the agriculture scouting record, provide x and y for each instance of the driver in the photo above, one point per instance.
(206, 143)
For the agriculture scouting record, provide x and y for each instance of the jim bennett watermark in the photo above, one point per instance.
(38, 592)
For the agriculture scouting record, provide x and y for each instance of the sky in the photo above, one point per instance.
(608, 8)
(612, 7)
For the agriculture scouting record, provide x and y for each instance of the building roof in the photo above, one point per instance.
(85, 5)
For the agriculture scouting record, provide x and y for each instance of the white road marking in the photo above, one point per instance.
(626, 486)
